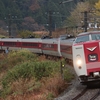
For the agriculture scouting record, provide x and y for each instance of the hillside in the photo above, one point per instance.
(37, 15)
(33, 14)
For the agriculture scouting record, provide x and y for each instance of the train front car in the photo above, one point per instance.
(86, 56)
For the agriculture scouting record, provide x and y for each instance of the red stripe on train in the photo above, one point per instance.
(66, 49)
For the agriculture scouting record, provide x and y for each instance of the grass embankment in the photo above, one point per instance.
(24, 76)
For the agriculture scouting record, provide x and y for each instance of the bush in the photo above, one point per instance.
(21, 56)
(15, 58)
(29, 70)
(68, 76)
(25, 73)
(50, 96)
(24, 33)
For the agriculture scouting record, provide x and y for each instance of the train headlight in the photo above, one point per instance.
(79, 61)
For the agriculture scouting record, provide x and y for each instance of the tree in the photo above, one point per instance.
(39, 11)
(2, 10)
(34, 5)
(77, 15)
(92, 2)
(97, 7)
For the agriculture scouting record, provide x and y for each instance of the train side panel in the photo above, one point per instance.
(66, 48)
(11, 43)
(51, 47)
(33, 45)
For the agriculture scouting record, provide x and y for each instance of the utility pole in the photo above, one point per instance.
(85, 21)
(9, 24)
(50, 23)
(85, 18)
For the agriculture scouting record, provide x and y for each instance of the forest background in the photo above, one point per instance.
(37, 15)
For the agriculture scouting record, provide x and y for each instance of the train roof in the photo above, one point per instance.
(66, 36)
(10, 38)
(20, 38)
(86, 33)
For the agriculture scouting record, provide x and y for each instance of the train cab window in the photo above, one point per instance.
(95, 36)
(83, 38)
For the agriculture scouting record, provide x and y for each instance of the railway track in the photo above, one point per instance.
(85, 94)
(96, 95)
(80, 94)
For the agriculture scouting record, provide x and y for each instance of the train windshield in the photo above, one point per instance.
(95, 36)
(83, 38)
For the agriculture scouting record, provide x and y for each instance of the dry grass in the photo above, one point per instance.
(42, 57)
(55, 33)
(54, 85)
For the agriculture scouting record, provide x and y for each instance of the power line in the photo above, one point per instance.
(65, 1)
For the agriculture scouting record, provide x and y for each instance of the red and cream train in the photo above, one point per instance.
(84, 51)
(86, 56)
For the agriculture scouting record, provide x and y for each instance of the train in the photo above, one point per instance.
(83, 51)
(86, 56)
